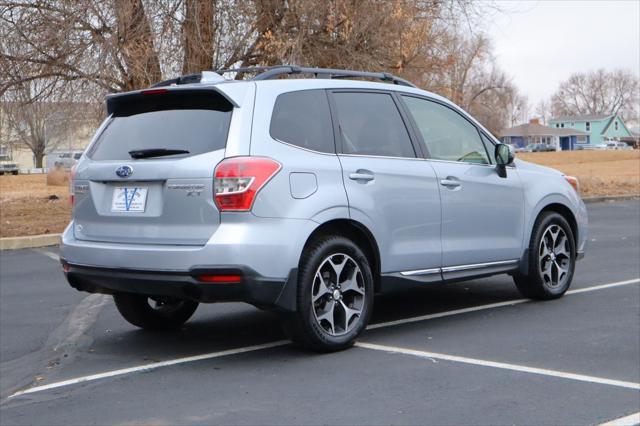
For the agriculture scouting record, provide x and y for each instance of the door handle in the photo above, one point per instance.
(361, 176)
(450, 182)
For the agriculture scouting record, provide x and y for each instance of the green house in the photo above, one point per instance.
(600, 128)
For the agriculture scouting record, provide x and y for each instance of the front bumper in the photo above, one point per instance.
(252, 288)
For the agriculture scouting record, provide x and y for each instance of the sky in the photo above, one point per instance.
(541, 43)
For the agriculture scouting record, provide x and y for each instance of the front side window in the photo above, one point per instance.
(447, 135)
(370, 124)
(303, 119)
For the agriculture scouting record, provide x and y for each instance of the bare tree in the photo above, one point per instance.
(543, 111)
(198, 30)
(135, 44)
(109, 43)
(104, 46)
(597, 92)
(27, 120)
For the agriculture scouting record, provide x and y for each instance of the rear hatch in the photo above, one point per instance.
(148, 176)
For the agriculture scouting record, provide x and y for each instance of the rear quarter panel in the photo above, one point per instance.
(309, 185)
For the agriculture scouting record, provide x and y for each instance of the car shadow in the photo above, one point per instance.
(218, 327)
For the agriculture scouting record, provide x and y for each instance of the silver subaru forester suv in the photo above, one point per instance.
(306, 196)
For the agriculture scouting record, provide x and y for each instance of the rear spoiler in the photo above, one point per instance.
(158, 99)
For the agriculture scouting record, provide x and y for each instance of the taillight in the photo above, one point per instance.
(573, 181)
(72, 177)
(237, 180)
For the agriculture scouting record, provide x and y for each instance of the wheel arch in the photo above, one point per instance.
(359, 234)
(564, 211)
(554, 203)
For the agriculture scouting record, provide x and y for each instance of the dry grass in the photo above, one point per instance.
(58, 177)
(600, 172)
(28, 208)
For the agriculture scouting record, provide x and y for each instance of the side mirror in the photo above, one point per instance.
(504, 157)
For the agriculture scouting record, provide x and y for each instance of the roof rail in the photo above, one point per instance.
(266, 73)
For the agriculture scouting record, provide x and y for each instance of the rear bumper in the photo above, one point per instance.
(252, 288)
(270, 247)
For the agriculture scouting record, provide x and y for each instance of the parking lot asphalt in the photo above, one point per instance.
(466, 353)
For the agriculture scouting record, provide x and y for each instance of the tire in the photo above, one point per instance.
(168, 313)
(15, 173)
(551, 259)
(342, 306)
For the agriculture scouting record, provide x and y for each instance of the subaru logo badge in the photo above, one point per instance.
(124, 171)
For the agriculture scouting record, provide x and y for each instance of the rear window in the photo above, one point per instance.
(188, 122)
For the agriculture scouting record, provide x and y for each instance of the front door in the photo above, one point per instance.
(482, 213)
(391, 190)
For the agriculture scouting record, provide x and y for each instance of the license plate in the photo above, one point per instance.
(129, 199)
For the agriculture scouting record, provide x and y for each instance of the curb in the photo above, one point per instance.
(590, 200)
(30, 241)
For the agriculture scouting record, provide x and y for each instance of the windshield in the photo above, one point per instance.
(194, 130)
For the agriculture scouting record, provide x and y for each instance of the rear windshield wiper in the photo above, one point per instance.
(155, 152)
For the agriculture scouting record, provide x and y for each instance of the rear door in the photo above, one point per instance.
(482, 213)
(154, 199)
(390, 189)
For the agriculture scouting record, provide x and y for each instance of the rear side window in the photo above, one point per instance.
(370, 124)
(197, 123)
(303, 119)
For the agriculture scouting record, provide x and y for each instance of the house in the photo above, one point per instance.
(600, 128)
(561, 139)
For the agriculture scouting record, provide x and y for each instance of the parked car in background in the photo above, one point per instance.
(617, 145)
(299, 196)
(7, 165)
(523, 149)
(542, 147)
(591, 147)
(67, 160)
